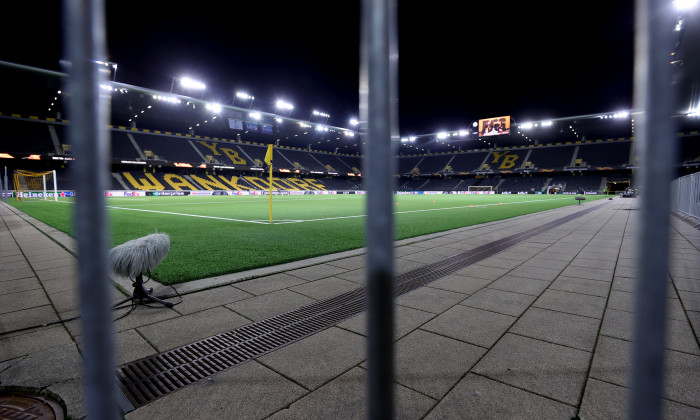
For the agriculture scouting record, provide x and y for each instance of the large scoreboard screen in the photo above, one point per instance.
(494, 126)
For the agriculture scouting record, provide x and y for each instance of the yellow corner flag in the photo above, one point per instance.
(268, 155)
(268, 161)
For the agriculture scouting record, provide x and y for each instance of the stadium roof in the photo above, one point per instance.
(456, 66)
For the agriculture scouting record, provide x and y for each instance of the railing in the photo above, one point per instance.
(685, 195)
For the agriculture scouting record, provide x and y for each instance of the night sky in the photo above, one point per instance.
(530, 60)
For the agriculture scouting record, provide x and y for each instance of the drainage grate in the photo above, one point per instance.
(147, 379)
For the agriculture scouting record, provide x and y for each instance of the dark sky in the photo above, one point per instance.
(530, 60)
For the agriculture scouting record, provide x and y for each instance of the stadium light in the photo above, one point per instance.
(213, 107)
(245, 97)
(189, 83)
(255, 115)
(463, 133)
(442, 135)
(685, 4)
(526, 126)
(354, 121)
(280, 104)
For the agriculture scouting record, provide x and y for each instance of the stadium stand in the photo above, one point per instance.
(526, 184)
(555, 157)
(609, 154)
(24, 137)
(468, 162)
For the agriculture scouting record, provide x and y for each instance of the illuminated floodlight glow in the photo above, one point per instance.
(244, 95)
(354, 121)
(442, 135)
(255, 115)
(349, 133)
(189, 83)
(320, 114)
(547, 123)
(412, 138)
(463, 133)
(685, 4)
(278, 119)
(526, 125)
(213, 107)
(320, 127)
(621, 114)
(303, 124)
(169, 99)
(284, 105)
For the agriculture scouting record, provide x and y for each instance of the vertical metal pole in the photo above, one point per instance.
(89, 138)
(55, 186)
(43, 183)
(6, 185)
(654, 95)
(378, 90)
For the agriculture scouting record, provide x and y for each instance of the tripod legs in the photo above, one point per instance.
(142, 293)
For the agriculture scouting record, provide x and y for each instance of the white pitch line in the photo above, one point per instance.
(280, 222)
(189, 215)
(424, 210)
(257, 201)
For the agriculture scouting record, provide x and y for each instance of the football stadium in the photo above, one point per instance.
(244, 266)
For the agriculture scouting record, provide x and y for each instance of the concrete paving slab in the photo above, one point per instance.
(56, 364)
(498, 262)
(460, 284)
(624, 301)
(475, 326)
(12, 302)
(500, 301)
(25, 318)
(433, 364)
(611, 363)
(572, 303)
(558, 327)
(679, 335)
(546, 262)
(270, 304)
(522, 285)
(581, 285)
(688, 285)
(483, 272)
(477, 397)
(690, 300)
(536, 273)
(32, 341)
(250, 391)
(547, 369)
(319, 358)
(206, 299)
(345, 398)
(19, 285)
(324, 288)
(604, 400)
(405, 320)
(351, 263)
(599, 264)
(316, 272)
(17, 273)
(179, 331)
(430, 299)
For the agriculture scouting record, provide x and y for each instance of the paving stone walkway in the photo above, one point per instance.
(540, 330)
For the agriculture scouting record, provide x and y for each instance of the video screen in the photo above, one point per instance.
(494, 126)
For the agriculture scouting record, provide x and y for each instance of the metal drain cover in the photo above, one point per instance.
(28, 406)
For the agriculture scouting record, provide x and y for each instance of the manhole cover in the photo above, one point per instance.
(27, 406)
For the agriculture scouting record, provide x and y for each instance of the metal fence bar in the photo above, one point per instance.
(378, 90)
(88, 111)
(685, 195)
(654, 95)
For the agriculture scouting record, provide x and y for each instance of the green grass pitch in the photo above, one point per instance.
(215, 235)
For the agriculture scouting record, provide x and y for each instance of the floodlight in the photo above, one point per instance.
(284, 105)
(320, 114)
(243, 95)
(255, 115)
(353, 121)
(463, 133)
(186, 82)
(685, 4)
(278, 119)
(547, 123)
(404, 140)
(442, 135)
(526, 125)
(215, 108)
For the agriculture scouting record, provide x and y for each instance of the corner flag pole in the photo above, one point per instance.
(268, 161)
